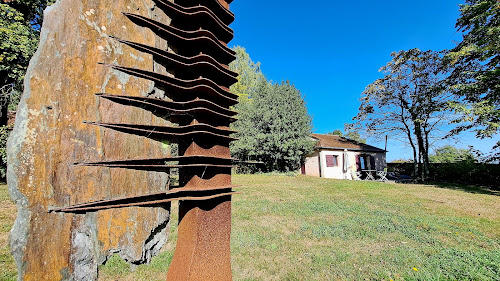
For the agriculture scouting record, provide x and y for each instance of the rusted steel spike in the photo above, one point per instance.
(186, 60)
(164, 111)
(164, 79)
(195, 18)
(196, 91)
(195, 10)
(159, 134)
(197, 112)
(213, 5)
(161, 161)
(147, 203)
(179, 83)
(153, 167)
(168, 129)
(219, 189)
(159, 168)
(209, 136)
(146, 197)
(226, 18)
(185, 34)
(189, 67)
(172, 105)
(187, 46)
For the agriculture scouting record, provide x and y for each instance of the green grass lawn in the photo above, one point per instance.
(7, 216)
(305, 228)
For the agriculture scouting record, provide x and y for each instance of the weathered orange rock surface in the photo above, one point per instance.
(49, 136)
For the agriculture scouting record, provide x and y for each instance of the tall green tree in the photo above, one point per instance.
(32, 10)
(249, 75)
(20, 22)
(451, 154)
(355, 136)
(273, 127)
(409, 103)
(273, 124)
(476, 78)
(350, 134)
(336, 132)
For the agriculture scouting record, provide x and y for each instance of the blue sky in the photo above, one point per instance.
(331, 50)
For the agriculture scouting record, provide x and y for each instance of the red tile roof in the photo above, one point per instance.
(338, 142)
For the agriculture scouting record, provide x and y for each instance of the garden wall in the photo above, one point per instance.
(463, 173)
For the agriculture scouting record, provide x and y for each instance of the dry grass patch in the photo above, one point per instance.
(7, 217)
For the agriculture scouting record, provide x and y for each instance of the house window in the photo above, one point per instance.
(331, 160)
(365, 162)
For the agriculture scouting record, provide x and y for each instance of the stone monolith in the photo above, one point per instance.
(50, 136)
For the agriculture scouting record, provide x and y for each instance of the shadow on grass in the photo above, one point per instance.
(467, 188)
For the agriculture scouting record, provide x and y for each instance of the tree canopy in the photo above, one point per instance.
(476, 78)
(18, 42)
(20, 23)
(274, 127)
(273, 124)
(336, 132)
(409, 103)
(451, 154)
(32, 10)
(350, 134)
(249, 75)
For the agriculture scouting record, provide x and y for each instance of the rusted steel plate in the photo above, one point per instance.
(166, 129)
(176, 197)
(190, 46)
(200, 91)
(167, 162)
(202, 251)
(174, 193)
(163, 134)
(194, 13)
(200, 85)
(157, 168)
(186, 34)
(169, 105)
(160, 78)
(161, 161)
(194, 18)
(203, 244)
(188, 67)
(145, 196)
(213, 5)
(164, 111)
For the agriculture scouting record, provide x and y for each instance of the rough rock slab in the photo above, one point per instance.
(49, 136)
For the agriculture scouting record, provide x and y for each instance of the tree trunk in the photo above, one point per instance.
(426, 155)
(4, 106)
(421, 151)
(3, 114)
(415, 159)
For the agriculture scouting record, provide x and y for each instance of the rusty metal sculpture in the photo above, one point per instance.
(200, 105)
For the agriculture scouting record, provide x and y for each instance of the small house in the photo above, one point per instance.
(340, 158)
